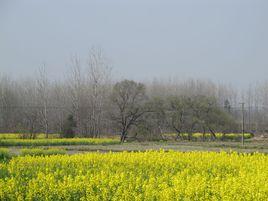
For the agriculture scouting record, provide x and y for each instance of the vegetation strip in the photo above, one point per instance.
(56, 142)
(26, 136)
(5, 154)
(42, 152)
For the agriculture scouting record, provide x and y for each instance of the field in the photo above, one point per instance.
(105, 169)
(55, 142)
(151, 175)
(23, 136)
(219, 136)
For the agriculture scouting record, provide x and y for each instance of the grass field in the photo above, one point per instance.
(249, 147)
(81, 145)
(151, 175)
(184, 146)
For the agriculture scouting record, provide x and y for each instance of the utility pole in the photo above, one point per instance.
(243, 122)
(249, 118)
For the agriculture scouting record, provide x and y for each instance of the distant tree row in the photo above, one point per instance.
(134, 112)
(89, 103)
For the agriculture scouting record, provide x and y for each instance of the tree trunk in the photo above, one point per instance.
(189, 136)
(213, 135)
(204, 133)
(123, 136)
(46, 129)
(178, 136)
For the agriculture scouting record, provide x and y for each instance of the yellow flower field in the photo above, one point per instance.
(151, 175)
(58, 142)
(23, 135)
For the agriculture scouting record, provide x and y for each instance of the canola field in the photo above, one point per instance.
(150, 175)
(219, 136)
(26, 135)
(58, 142)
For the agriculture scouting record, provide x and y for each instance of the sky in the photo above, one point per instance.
(224, 41)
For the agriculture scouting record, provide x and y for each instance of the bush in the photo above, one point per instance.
(5, 154)
(68, 127)
(42, 152)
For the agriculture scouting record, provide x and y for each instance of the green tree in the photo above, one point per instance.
(128, 98)
(153, 122)
(68, 130)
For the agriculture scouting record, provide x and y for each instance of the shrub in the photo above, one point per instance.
(42, 152)
(68, 127)
(5, 154)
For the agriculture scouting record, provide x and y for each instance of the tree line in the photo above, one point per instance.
(89, 102)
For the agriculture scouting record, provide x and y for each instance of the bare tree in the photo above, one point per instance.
(60, 105)
(8, 100)
(98, 89)
(178, 114)
(76, 89)
(43, 97)
(30, 107)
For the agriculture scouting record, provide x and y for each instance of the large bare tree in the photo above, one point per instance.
(43, 98)
(76, 85)
(98, 84)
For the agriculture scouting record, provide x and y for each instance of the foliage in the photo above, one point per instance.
(68, 127)
(152, 123)
(198, 114)
(152, 175)
(56, 142)
(128, 98)
(42, 152)
(5, 154)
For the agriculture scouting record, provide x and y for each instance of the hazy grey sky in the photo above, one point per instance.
(224, 40)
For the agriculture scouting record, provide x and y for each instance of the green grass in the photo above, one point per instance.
(57, 142)
(42, 152)
(5, 154)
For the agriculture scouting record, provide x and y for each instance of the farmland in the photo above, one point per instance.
(105, 169)
(203, 168)
(150, 175)
(55, 142)
(134, 101)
